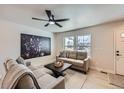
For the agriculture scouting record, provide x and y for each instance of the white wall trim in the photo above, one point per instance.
(114, 50)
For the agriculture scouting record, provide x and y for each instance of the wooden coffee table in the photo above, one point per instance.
(58, 71)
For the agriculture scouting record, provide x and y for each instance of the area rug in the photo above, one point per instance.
(74, 79)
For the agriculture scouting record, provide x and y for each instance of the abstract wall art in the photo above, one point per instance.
(35, 46)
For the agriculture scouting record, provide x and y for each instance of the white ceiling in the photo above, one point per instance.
(80, 15)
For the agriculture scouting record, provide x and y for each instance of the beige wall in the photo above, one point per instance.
(10, 43)
(102, 44)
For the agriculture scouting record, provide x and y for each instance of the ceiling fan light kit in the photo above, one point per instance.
(51, 19)
(51, 22)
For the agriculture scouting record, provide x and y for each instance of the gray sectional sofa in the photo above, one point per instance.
(78, 59)
(45, 80)
(20, 76)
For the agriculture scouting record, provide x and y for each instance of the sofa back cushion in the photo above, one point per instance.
(72, 54)
(62, 54)
(9, 63)
(81, 55)
(67, 54)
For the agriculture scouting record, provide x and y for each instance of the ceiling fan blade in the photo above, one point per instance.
(58, 24)
(48, 12)
(53, 17)
(46, 25)
(60, 20)
(39, 19)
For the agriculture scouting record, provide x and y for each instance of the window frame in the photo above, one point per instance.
(73, 41)
(76, 42)
(76, 38)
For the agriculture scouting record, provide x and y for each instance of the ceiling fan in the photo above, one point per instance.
(51, 19)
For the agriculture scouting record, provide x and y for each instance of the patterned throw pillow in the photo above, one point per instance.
(63, 54)
(20, 60)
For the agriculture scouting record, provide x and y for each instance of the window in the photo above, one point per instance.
(84, 43)
(79, 43)
(69, 43)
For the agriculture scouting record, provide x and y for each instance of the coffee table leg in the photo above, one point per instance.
(56, 74)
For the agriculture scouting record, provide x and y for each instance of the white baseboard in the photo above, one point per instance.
(101, 69)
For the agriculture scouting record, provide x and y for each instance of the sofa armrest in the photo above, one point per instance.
(58, 84)
(86, 59)
(86, 63)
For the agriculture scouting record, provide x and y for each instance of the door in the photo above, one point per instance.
(119, 52)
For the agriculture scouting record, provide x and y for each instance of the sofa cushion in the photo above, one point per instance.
(67, 53)
(81, 55)
(61, 58)
(46, 80)
(44, 69)
(39, 73)
(41, 68)
(73, 61)
(62, 54)
(32, 67)
(72, 54)
(79, 63)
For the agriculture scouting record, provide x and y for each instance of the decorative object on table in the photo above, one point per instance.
(58, 64)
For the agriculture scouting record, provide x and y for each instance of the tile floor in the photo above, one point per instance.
(92, 80)
(97, 80)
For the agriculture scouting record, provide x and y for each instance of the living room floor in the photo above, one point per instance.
(93, 80)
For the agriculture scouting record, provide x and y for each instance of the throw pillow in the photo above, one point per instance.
(63, 54)
(20, 60)
(72, 54)
(81, 55)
